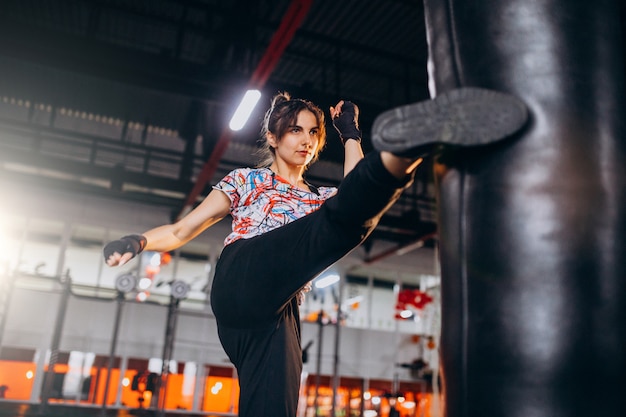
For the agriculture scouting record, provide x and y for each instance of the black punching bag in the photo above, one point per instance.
(533, 229)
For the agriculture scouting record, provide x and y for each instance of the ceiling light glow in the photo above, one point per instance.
(243, 112)
(326, 281)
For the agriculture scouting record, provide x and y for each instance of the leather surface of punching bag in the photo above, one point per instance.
(533, 229)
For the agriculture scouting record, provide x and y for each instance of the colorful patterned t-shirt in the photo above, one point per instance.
(262, 201)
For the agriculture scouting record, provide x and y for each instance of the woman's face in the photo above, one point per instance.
(299, 144)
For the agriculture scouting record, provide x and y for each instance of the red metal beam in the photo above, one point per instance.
(290, 22)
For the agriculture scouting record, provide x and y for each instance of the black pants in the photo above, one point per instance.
(257, 279)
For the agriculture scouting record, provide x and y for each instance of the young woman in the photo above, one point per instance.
(286, 231)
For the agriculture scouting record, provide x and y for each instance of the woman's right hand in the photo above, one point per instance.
(118, 252)
(345, 117)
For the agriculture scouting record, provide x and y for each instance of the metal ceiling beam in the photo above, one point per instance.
(290, 22)
(401, 249)
(86, 55)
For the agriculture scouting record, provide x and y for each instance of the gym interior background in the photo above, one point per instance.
(113, 119)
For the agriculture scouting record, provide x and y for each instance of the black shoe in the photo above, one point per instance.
(463, 117)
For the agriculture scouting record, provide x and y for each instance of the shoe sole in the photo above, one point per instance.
(463, 117)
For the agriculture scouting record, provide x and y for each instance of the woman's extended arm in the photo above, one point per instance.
(353, 154)
(172, 236)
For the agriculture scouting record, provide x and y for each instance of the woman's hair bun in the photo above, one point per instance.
(280, 98)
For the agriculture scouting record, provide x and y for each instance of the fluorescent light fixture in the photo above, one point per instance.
(243, 112)
(144, 283)
(155, 259)
(326, 281)
(408, 404)
(352, 300)
(405, 314)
